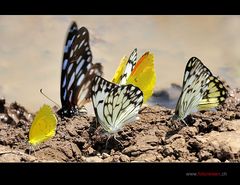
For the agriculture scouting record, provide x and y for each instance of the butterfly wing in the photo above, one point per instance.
(43, 126)
(215, 95)
(195, 83)
(73, 30)
(121, 68)
(125, 68)
(115, 105)
(143, 75)
(77, 71)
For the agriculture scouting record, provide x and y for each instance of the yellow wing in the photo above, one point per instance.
(215, 95)
(121, 68)
(43, 126)
(144, 75)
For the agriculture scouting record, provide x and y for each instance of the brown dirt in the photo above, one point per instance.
(212, 136)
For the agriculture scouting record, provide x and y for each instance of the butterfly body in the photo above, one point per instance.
(77, 72)
(200, 91)
(115, 105)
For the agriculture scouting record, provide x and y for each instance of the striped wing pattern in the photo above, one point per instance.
(115, 105)
(77, 71)
(199, 89)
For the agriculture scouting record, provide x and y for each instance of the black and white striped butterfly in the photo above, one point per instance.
(78, 72)
(200, 91)
(115, 105)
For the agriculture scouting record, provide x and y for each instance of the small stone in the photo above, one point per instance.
(90, 151)
(159, 157)
(10, 158)
(168, 159)
(71, 130)
(124, 158)
(116, 158)
(146, 158)
(167, 150)
(173, 138)
(108, 159)
(204, 155)
(189, 131)
(212, 160)
(94, 159)
(129, 149)
(76, 150)
(136, 153)
(105, 155)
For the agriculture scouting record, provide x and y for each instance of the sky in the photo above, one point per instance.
(31, 49)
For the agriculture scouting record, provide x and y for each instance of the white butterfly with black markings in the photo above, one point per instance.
(77, 73)
(115, 105)
(200, 91)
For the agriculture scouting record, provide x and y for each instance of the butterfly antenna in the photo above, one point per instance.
(49, 98)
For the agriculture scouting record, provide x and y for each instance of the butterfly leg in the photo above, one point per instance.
(114, 136)
(107, 141)
(184, 122)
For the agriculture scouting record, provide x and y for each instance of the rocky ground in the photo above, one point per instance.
(211, 136)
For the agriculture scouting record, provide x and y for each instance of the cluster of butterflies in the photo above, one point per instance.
(117, 102)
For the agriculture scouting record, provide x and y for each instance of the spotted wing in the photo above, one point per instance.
(77, 69)
(115, 105)
(125, 68)
(195, 84)
(215, 95)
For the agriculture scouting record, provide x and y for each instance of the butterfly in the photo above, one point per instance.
(141, 73)
(77, 72)
(115, 105)
(43, 126)
(200, 91)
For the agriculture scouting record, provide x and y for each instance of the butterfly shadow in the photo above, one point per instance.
(105, 142)
(176, 125)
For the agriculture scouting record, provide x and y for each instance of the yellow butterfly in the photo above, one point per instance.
(43, 126)
(141, 73)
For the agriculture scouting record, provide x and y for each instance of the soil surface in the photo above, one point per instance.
(211, 136)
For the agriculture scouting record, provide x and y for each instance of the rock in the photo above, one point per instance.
(188, 131)
(180, 148)
(167, 150)
(10, 158)
(168, 159)
(51, 154)
(90, 151)
(137, 153)
(124, 158)
(212, 160)
(76, 150)
(204, 155)
(224, 145)
(105, 155)
(159, 157)
(143, 144)
(146, 158)
(93, 159)
(172, 138)
(108, 159)
(71, 129)
(116, 158)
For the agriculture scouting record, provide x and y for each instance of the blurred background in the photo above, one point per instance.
(31, 50)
